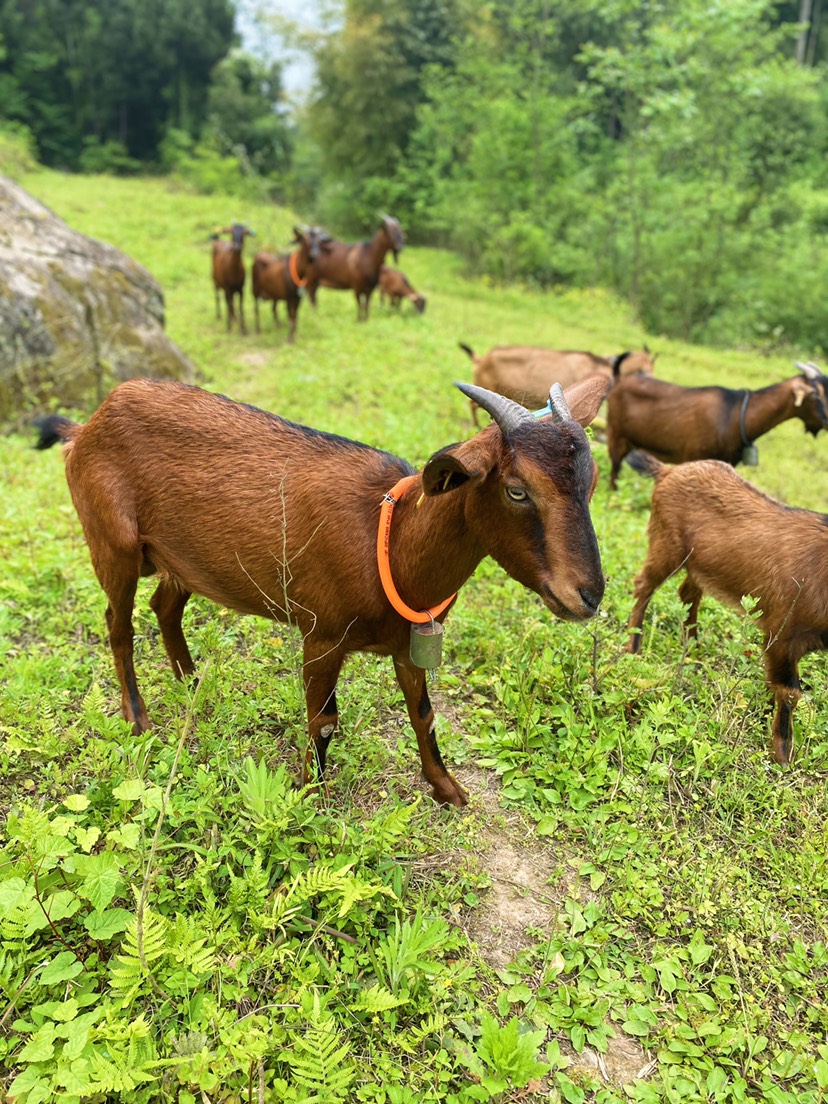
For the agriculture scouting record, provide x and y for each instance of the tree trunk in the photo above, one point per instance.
(806, 8)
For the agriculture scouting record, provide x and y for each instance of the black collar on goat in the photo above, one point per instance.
(275, 519)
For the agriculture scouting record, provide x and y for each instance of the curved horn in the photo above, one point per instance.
(558, 405)
(809, 370)
(507, 413)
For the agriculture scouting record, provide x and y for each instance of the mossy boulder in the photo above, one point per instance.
(76, 315)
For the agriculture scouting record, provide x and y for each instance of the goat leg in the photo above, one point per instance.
(412, 680)
(320, 672)
(231, 314)
(168, 604)
(691, 595)
(783, 679)
(242, 326)
(293, 310)
(121, 637)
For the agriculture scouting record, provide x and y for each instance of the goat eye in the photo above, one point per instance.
(517, 494)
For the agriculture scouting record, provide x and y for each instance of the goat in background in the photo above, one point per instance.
(344, 265)
(228, 270)
(677, 424)
(733, 540)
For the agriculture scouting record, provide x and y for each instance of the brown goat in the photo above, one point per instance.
(732, 540)
(275, 519)
(677, 424)
(282, 278)
(525, 373)
(228, 270)
(395, 285)
(343, 265)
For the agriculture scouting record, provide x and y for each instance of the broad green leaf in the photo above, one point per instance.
(127, 835)
(87, 837)
(129, 790)
(76, 803)
(40, 1047)
(63, 967)
(13, 892)
(104, 924)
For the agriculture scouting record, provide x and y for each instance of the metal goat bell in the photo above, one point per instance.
(426, 648)
(750, 456)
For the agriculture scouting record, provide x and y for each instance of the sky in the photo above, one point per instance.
(262, 41)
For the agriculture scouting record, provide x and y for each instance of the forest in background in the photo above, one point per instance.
(672, 150)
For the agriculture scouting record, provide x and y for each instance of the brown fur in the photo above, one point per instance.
(228, 271)
(272, 280)
(732, 540)
(525, 373)
(395, 285)
(678, 424)
(278, 520)
(344, 265)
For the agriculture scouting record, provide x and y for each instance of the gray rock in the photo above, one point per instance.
(76, 315)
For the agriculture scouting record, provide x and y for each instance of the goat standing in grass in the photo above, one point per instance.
(275, 519)
(282, 278)
(733, 540)
(395, 285)
(228, 270)
(526, 372)
(677, 424)
(345, 265)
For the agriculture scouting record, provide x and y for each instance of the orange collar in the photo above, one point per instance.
(294, 273)
(389, 501)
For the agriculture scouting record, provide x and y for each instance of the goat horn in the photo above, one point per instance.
(558, 404)
(809, 370)
(507, 413)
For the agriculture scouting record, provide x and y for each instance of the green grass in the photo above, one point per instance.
(315, 950)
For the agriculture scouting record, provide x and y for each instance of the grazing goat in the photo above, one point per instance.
(677, 424)
(732, 540)
(343, 265)
(525, 373)
(276, 278)
(275, 519)
(395, 285)
(228, 270)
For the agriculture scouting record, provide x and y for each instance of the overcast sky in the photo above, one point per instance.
(257, 38)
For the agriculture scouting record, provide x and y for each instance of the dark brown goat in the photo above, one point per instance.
(282, 278)
(345, 265)
(279, 520)
(228, 270)
(677, 424)
(732, 540)
(395, 285)
(525, 373)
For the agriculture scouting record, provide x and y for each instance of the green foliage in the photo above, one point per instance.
(113, 76)
(242, 113)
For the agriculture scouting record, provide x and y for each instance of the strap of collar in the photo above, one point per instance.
(389, 501)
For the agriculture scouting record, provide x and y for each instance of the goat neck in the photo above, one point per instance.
(770, 406)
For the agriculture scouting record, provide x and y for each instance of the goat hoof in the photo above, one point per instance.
(450, 792)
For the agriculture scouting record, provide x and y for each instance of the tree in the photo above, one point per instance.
(243, 112)
(117, 72)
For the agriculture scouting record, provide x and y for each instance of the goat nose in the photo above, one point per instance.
(591, 598)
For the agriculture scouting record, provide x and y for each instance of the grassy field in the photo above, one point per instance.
(634, 904)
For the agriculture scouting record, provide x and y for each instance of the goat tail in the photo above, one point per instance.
(53, 429)
(645, 464)
(466, 349)
(616, 362)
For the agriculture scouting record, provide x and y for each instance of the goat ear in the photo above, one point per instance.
(584, 398)
(445, 472)
(800, 392)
